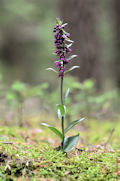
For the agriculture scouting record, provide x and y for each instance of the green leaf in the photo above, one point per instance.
(62, 109)
(73, 124)
(64, 32)
(88, 84)
(59, 21)
(3, 176)
(71, 57)
(18, 86)
(65, 108)
(70, 142)
(59, 114)
(52, 70)
(72, 68)
(67, 93)
(56, 131)
(10, 96)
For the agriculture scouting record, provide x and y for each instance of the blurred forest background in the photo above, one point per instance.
(26, 50)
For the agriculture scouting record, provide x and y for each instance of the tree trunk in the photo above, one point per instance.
(117, 23)
(82, 18)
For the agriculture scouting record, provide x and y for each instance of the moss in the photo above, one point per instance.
(29, 156)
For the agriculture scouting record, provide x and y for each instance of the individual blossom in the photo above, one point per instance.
(58, 64)
(61, 71)
(66, 61)
(68, 35)
(68, 50)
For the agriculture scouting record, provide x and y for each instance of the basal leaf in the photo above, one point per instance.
(70, 142)
(56, 131)
(72, 124)
(52, 70)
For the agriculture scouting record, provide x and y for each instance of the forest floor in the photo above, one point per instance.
(29, 154)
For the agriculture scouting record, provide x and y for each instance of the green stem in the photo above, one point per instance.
(62, 91)
(62, 119)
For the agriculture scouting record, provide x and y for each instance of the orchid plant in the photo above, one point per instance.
(62, 43)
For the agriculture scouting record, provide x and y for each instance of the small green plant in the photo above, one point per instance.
(19, 92)
(94, 103)
(63, 43)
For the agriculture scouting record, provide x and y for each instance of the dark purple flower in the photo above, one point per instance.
(59, 27)
(57, 35)
(61, 48)
(57, 45)
(58, 64)
(58, 52)
(68, 35)
(66, 61)
(62, 58)
(63, 36)
(61, 41)
(61, 71)
(54, 30)
(68, 50)
(55, 40)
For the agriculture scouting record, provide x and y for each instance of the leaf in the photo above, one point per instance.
(18, 86)
(72, 68)
(69, 45)
(64, 24)
(65, 108)
(10, 96)
(64, 32)
(56, 131)
(72, 124)
(59, 21)
(88, 84)
(69, 142)
(67, 39)
(59, 114)
(71, 57)
(67, 93)
(3, 176)
(62, 109)
(52, 70)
